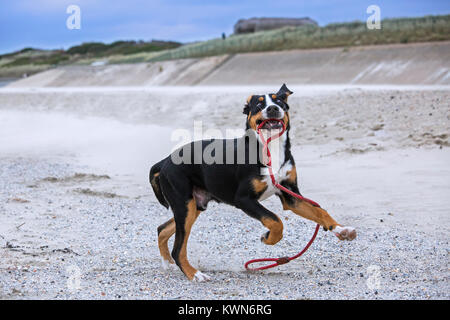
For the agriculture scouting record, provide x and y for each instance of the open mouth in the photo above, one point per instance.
(270, 124)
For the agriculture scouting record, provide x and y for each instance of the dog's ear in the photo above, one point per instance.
(284, 93)
(247, 105)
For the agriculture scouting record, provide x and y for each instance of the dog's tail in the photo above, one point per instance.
(154, 181)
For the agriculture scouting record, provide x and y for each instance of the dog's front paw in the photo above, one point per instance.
(269, 239)
(264, 237)
(201, 277)
(345, 233)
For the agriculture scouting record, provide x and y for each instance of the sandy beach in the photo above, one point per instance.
(78, 218)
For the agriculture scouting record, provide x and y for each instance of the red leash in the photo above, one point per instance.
(282, 260)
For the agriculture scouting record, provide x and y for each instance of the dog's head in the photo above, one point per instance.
(269, 106)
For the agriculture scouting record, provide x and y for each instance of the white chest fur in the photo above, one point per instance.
(279, 168)
(277, 150)
(279, 175)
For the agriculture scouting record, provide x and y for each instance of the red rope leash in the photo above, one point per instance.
(282, 260)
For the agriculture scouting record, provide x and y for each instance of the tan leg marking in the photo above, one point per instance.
(310, 212)
(192, 214)
(163, 238)
(259, 186)
(275, 230)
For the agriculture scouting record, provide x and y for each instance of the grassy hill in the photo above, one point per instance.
(406, 30)
(31, 60)
(399, 30)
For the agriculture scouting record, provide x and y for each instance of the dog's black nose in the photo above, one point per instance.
(272, 111)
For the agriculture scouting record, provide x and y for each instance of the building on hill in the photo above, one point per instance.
(261, 24)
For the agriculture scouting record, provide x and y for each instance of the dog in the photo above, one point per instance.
(235, 178)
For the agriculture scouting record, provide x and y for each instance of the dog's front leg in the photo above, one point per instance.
(315, 214)
(270, 220)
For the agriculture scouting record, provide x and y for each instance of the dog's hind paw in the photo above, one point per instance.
(345, 233)
(201, 277)
(166, 264)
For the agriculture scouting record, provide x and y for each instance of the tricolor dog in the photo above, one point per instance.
(237, 175)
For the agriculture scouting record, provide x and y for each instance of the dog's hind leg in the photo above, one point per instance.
(165, 231)
(184, 219)
(179, 194)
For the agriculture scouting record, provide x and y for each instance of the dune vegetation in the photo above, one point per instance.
(30, 60)
(405, 30)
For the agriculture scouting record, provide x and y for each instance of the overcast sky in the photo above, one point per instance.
(42, 23)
